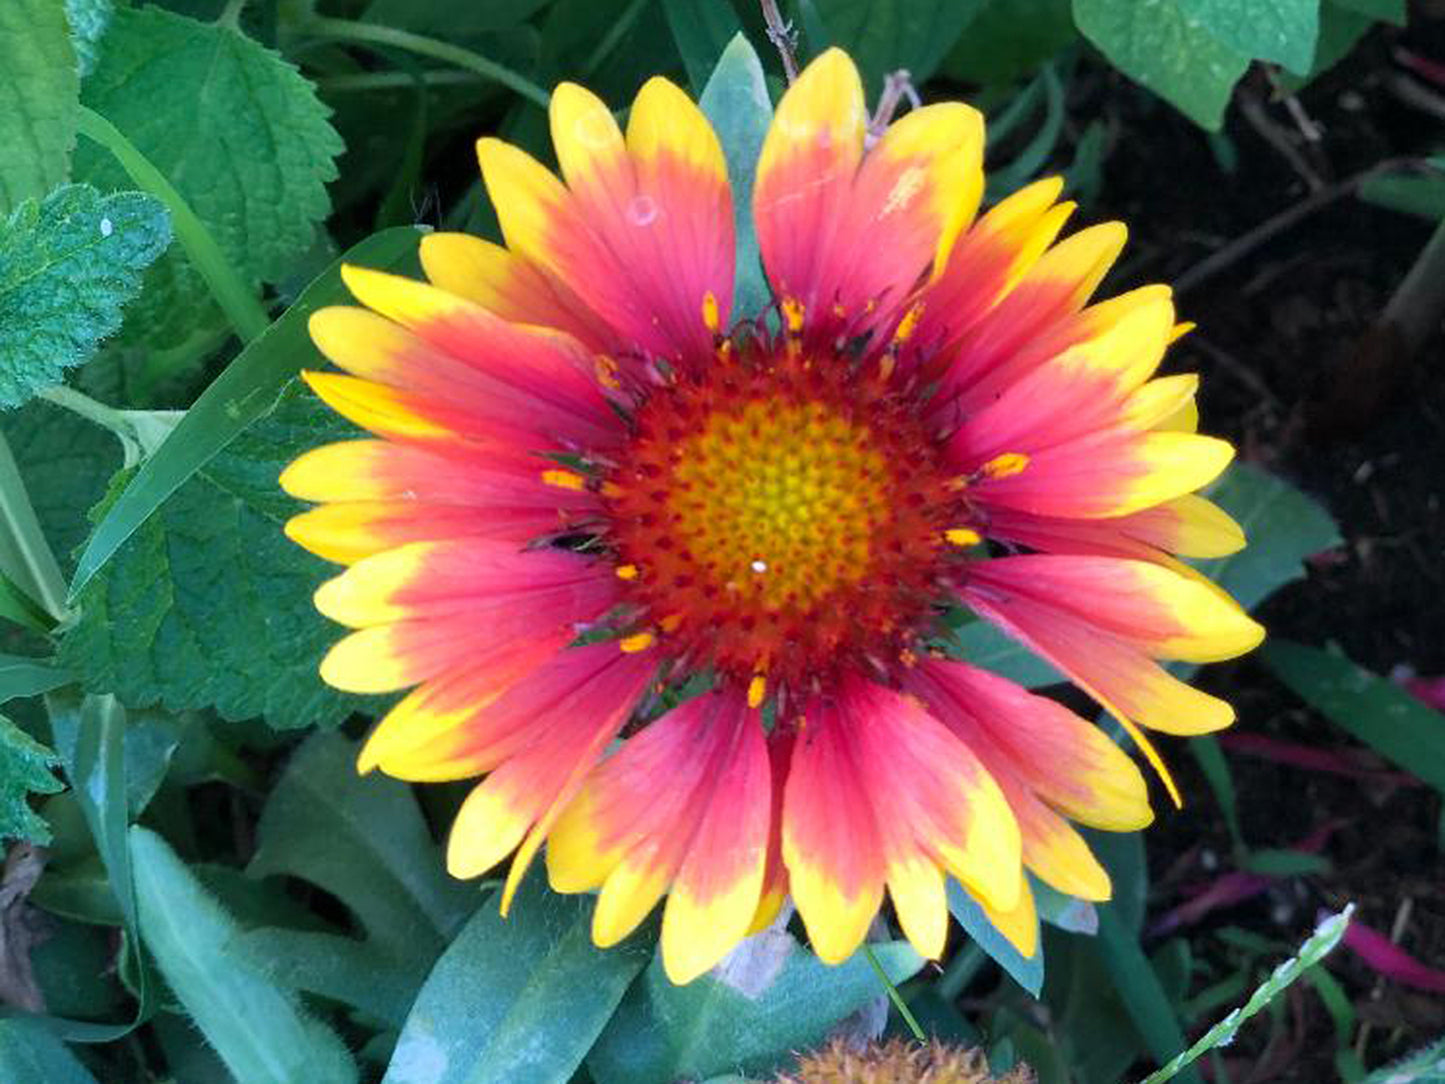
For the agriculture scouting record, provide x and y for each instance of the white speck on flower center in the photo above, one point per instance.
(106, 229)
(760, 567)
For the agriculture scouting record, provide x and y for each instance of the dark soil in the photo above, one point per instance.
(1278, 347)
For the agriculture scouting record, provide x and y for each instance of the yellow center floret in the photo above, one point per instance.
(777, 502)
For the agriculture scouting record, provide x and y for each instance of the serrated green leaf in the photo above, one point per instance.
(885, 35)
(66, 463)
(516, 999)
(25, 768)
(208, 604)
(237, 131)
(362, 839)
(1371, 708)
(771, 998)
(736, 102)
(88, 21)
(39, 93)
(242, 394)
(1284, 31)
(28, 1052)
(257, 1027)
(67, 266)
(1161, 47)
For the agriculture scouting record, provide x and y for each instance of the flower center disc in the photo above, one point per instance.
(779, 519)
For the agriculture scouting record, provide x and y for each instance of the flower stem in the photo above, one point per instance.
(28, 558)
(236, 299)
(894, 996)
(369, 34)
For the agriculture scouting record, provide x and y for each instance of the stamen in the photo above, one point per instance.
(962, 536)
(626, 572)
(640, 641)
(564, 479)
(793, 315)
(607, 369)
(1004, 466)
(909, 324)
(757, 689)
(710, 316)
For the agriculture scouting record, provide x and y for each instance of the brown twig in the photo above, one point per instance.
(780, 33)
(896, 87)
(1259, 119)
(1271, 228)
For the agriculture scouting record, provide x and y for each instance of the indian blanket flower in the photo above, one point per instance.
(595, 488)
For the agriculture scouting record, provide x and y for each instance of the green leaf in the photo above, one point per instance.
(1418, 192)
(246, 391)
(1325, 937)
(1139, 988)
(885, 35)
(736, 101)
(1027, 971)
(39, 92)
(1282, 862)
(67, 266)
(1283, 527)
(88, 21)
(236, 130)
(257, 1027)
(21, 676)
(770, 998)
(209, 603)
(1424, 1066)
(702, 29)
(25, 767)
(1371, 708)
(1161, 47)
(362, 839)
(28, 1052)
(516, 999)
(1284, 31)
(65, 462)
(983, 644)
(1389, 11)
(1008, 39)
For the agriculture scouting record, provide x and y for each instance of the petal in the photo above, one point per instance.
(348, 531)
(1107, 474)
(507, 285)
(468, 579)
(987, 262)
(848, 236)
(775, 874)
(1020, 923)
(1159, 611)
(1068, 761)
(684, 803)
(564, 716)
(830, 841)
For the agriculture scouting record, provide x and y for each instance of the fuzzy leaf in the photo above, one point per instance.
(257, 1027)
(208, 603)
(1166, 50)
(234, 128)
(29, 1052)
(39, 91)
(89, 20)
(67, 266)
(24, 767)
(1284, 31)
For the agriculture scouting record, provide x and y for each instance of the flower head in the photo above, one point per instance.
(594, 489)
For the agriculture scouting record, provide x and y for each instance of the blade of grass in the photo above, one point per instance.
(239, 396)
(237, 300)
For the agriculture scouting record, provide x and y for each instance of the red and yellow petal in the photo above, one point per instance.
(542, 736)
(683, 808)
(1159, 611)
(847, 236)
(1066, 760)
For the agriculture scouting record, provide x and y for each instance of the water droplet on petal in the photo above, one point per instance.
(642, 211)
